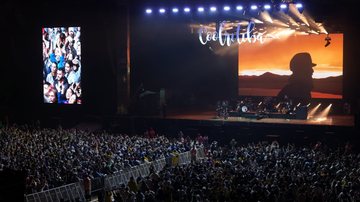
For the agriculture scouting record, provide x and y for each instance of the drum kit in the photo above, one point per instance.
(266, 106)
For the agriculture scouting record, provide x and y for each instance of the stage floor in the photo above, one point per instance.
(333, 120)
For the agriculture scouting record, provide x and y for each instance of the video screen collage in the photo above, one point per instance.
(62, 65)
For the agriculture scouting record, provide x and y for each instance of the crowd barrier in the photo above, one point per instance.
(69, 193)
(75, 192)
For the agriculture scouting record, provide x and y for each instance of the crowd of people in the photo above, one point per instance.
(55, 157)
(233, 172)
(254, 172)
(62, 65)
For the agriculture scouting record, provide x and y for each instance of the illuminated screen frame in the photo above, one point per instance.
(61, 48)
(264, 68)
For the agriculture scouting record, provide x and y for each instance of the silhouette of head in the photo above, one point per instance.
(301, 63)
(300, 82)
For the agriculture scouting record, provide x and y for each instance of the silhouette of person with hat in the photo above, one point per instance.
(300, 84)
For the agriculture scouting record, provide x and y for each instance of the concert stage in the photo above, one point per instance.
(334, 120)
(336, 129)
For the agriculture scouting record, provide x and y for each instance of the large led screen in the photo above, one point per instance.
(264, 69)
(62, 65)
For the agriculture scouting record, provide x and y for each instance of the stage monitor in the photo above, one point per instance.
(62, 65)
(265, 68)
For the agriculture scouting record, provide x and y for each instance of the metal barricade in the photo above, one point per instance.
(70, 192)
(75, 191)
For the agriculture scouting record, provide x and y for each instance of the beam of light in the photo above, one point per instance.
(266, 17)
(313, 32)
(283, 33)
(299, 5)
(257, 21)
(324, 113)
(210, 27)
(279, 23)
(321, 28)
(294, 10)
(313, 111)
(314, 25)
(288, 19)
(243, 23)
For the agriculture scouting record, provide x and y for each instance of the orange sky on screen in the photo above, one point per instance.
(275, 54)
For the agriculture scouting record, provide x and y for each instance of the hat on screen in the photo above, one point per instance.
(300, 61)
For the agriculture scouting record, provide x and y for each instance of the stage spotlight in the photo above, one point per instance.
(254, 7)
(267, 7)
(324, 114)
(313, 111)
(283, 6)
(161, 10)
(239, 8)
(213, 9)
(175, 10)
(201, 9)
(226, 8)
(186, 9)
(148, 11)
(299, 5)
(327, 39)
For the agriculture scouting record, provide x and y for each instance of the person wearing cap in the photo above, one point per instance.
(298, 89)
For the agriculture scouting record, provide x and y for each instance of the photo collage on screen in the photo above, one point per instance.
(62, 65)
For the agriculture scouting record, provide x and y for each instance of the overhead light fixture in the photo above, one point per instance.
(213, 9)
(267, 7)
(201, 9)
(148, 11)
(283, 6)
(299, 7)
(226, 8)
(175, 10)
(239, 8)
(161, 10)
(186, 9)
